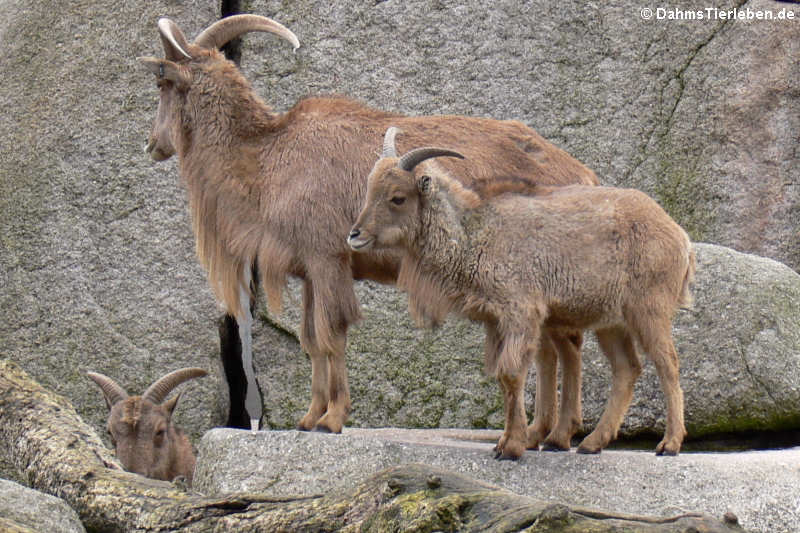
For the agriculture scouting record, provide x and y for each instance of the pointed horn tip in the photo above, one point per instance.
(389, 148)
(165, 26)
(112, 391)
(393, 130)
(95, 376)
(233, 26)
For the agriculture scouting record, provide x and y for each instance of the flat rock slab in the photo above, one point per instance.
(761, 488)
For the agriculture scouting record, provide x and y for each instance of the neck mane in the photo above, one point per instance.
(430, 269)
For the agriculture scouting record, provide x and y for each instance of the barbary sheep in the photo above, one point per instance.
(145, 439)
(575, 257)
(275, 191)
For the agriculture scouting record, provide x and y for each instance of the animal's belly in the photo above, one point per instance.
(587, 317)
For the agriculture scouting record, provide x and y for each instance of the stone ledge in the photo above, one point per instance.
(760, 488)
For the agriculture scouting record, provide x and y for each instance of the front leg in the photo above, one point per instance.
(338, 407)
(512, 368)
(514, 440)
(319, 363)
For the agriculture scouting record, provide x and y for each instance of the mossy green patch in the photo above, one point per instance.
(682, 190)
(422, 512)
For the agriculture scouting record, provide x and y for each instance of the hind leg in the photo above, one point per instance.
(546, 397)
(570, 419)
(618, 347)
(656, 339)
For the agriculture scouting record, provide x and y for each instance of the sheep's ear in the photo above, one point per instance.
(425, 185)
(170, 404)
(164, 69)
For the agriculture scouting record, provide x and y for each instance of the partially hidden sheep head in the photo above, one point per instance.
(141, 430)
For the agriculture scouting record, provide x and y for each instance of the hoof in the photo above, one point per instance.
(306, 423)
(322, 428)
(503, 456)
(552, 447)
(587, 451)
(666, 453)
(665, 448)
(508, 452)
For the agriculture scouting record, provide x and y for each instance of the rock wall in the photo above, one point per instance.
(97, 269)
(97, 266)
(704, 115)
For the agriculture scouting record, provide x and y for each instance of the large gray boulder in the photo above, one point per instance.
(739, 347)
(24, 509)
(704, 115)
(97, 269)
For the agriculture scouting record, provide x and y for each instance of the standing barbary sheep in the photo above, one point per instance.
(274, 191)
(575, 257)
(145, 439)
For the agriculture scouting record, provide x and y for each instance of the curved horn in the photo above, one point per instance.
(417, 156)
(175, 43)
(111, 390)
(159, 390)
(389, 148)
(224, 30)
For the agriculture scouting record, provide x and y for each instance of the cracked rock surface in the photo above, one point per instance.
(97, 266)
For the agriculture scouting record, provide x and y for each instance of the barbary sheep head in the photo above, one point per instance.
(395, 193)
(187, 64)
(141, 430)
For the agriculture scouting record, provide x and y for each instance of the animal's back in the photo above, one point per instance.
(590, 249)
(317, 166)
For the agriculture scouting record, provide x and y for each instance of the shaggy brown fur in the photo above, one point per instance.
(575, 258)
(282, 190)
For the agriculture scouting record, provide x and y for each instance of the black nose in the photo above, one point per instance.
(354, 233)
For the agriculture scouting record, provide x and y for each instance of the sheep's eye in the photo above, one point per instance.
(398, 200)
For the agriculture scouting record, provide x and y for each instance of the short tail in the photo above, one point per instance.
(685, 301)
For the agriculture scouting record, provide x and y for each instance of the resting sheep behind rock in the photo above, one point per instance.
(145, 439)
(572, 257)
(275, 191)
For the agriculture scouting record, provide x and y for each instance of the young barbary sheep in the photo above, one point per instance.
(145, 439)
(574, 257)
(275, 191)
